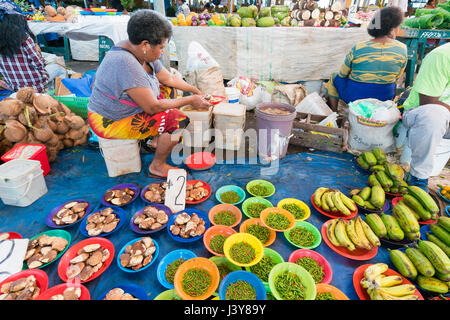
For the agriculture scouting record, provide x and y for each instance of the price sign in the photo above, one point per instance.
(176, 190)
(12, 253)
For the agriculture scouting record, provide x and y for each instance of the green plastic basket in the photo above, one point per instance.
(77, 105)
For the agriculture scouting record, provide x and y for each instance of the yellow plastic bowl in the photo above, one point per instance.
(266, 212)
(243, 237)
(299, 204)
(244, 225)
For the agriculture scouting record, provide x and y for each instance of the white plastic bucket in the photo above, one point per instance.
(229, 123)
(200, 122)
(21, 182)
(121, 156)
(233, 94)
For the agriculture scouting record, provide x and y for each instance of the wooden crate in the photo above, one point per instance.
(303, 136)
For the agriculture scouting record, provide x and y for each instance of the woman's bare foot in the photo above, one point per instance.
(161, 171)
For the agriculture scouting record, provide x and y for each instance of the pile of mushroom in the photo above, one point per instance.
(20, 289)
(119, 197)
(44, 250)
(70, 213)
(187, 226)
(139, 254)
(156, 192)
(36, 118)
(70, 293)
(196, 192)
(89, 260)
(103, 221)
(151, 218)
(119, 294)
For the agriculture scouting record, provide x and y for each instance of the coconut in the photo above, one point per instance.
(53, 141)
(5, 146)
(80, 141)
(68, 143)
(52, 125)
(61, 127)
(50, 11)
(74, 134)
(28, 117)
(52, 153)
(26, 94)
(11, 107)
(59, 145)
(74, 121)
(32, 139)
(15, 131)
(45, 104)
(43, 132)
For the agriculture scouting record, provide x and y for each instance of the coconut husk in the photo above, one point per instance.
(43, 132)
(52, 153)
(59, 145)
(15, 131)
(74, 121)
(26, 95)
(65, 109)
(61, 127)
(80, 141)
(11, 107)
(32, 139)
(53, 141)
(5, 146)
(51, 124)
(45, 104)
(68, 143)
(74, 134)
(28, 117)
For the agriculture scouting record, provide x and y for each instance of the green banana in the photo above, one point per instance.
(354, 191)
(360, 160)
(403, 264)
(424, 198)
(384, 180)
(394, 171)
(371, 236)
(415, 205)
(341, 235)
(377, 167)
(365, 193)
(394, 190)
(432, 284)
(348, 202)
(405, 217)
(437, 257)
(412, 235)
(369, 205)
(376, 224)
(379, 155)
(318, 196)
(431, 237)
(358, 200)
(394, 231)
(422, 264)
(441, 233)
(331, 234)
(374, 294)
(373, 181)
(377, 196)
(444, 222)
(335, 196)
(350, 229)
(442, 277)
(369, 158)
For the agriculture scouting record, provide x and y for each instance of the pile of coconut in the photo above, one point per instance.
(36, 118)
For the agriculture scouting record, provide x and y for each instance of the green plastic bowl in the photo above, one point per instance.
(306, 279)
(168, 295)
(52, 233)
(273, 255)
(309, 227)
(263, 183)
(252, 200)
(223, 261)
(234, 188)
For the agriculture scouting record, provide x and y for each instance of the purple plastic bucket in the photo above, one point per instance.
(271, 123)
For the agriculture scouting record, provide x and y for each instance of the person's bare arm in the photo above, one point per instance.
(424, 99)
(171, 80)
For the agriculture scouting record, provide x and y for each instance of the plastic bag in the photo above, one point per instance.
(80, 87)
(199, 58)
(313, 104)
(251, 93)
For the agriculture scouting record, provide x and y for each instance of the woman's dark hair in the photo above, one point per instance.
(148, 25)
(14, 31)
(384, 21)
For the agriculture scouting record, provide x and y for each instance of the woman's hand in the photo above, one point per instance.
(200, 102)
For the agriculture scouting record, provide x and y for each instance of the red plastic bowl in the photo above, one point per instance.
(332, 214)
(72, 253)
(59, 289)
(205, 185)
(13, 235)
(200, 161)
(362, 293)
(41, 278)
(358, 254)
(300, 253)
(429, 221)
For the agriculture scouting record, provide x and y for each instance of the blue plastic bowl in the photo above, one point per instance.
(119, 211)
(236, 189)
(168, 259)
(249, 277)
(129, 243)
(442, 196)
(172, 218)
(133, 289)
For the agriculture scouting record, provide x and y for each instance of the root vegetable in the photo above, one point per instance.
(26, 95)
(74, 121)
(11, 107)
(306, 15)
(32, 139)
(15, 131)
(59, 146)
(329, 15)
(315, 14)
(311, 5)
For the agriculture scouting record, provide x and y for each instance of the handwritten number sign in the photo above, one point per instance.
(12, 253)
(176, 190)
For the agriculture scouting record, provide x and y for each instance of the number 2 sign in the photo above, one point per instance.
(176, 190)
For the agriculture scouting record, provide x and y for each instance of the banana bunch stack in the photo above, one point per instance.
(352, 234)
(440, 234)
(425, 263)
(369, 197)
(421, 203)
(332, 200)
(402, 224)
(372, 160)
(382, 287)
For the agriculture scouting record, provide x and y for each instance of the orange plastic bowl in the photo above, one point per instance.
(244, 225)
(215, 230)
(225, 207)
(197, 263)
(325, 287)
(266, 212)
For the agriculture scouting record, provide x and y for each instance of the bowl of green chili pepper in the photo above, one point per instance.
(277, 219)
(230, 194)
(298, 208)
(169, 265)
(289, 281)
(225, 214)
(263, 267)
(225, 267)
(255, 227)
(243, 249)
(260, 188)
(241, 285)
(168, 295)
(215, 237)
(304, 235)
(252, 207)
(329, 292)
(314, 263)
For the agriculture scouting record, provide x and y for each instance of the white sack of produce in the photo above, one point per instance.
(371, 124)
(203, 71)
(251, 93)
(313, 104)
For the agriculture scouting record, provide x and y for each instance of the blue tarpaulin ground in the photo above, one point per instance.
(81, 173)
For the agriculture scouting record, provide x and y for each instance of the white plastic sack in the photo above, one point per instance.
(314, 104)
(375, 132)
(251, 93)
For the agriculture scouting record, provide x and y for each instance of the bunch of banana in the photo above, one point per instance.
(382, 287)
(352, 234)
(425, 263)
(332, 200)
(372, 160)
(372, 198)
(440, 234)
(421, 203)
(396, 227)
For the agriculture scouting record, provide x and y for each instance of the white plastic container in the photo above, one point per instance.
(121, 156)
(200, 122)
(229, 122)
(21, 182)
(233, 94)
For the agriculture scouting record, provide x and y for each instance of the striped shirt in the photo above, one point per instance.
(26, 68)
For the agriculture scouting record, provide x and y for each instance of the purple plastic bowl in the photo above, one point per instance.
(132, 186)
(136, 229)
(144, 190)
(50, 222)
